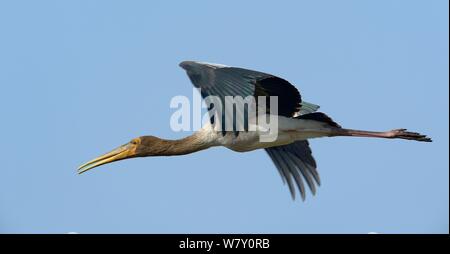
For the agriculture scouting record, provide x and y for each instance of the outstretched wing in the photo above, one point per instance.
(295, 163)
(221, 81)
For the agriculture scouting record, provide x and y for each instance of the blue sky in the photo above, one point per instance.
(79, 78)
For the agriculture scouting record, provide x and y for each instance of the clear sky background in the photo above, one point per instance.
(79, 78)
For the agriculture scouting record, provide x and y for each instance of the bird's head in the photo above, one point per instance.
(137, 147)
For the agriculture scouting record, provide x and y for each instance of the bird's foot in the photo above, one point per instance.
(403, 134)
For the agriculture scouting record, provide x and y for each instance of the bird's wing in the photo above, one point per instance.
(296, 163)
(221, 81)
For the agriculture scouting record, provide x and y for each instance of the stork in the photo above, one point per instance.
(297, 121)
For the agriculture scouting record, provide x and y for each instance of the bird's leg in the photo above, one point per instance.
(397, 133)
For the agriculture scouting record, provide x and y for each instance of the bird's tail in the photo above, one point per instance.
(319, 117)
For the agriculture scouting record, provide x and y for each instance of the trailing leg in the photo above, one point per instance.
(397, 133)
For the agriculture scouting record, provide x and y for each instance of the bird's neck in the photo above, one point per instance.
(187, 145)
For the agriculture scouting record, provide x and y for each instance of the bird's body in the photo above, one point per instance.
(285, 142)
(289, 131)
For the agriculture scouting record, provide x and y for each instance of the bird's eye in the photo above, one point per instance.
(133, 142)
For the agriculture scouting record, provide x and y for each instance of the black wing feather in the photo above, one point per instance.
(295, 160)
(225, 81)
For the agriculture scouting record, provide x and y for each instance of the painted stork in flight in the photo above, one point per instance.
(298, 121)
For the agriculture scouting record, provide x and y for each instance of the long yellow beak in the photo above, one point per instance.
(123, 152)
